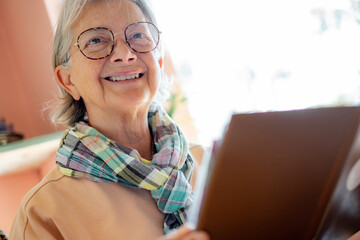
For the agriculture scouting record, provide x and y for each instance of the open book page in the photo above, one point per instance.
(204, 176)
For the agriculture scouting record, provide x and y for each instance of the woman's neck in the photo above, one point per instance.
(130, 131)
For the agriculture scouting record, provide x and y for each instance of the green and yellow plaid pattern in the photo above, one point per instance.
(86, 153)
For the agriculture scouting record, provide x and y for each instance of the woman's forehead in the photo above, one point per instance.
(113, 14)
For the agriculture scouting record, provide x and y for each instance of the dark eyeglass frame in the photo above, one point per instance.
(114, 41)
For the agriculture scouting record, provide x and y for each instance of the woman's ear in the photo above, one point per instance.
(63, 77)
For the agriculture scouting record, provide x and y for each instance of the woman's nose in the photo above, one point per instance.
(122, 52)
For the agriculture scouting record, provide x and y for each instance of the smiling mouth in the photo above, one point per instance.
(124, 77)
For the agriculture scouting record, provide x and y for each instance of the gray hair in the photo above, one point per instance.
(65, 109)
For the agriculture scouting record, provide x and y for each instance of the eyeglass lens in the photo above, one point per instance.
(98, 43)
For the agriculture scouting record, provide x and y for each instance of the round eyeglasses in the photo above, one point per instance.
(98, 43)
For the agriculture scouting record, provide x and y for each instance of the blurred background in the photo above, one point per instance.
(229, 56)
(244, 56)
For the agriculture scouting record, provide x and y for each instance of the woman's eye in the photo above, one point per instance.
(139, 36)
(95, 41)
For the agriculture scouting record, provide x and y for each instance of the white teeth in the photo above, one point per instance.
(125, 77)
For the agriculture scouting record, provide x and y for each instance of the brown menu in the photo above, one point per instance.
(283, 175)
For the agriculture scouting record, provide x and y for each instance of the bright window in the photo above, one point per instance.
(240, 56)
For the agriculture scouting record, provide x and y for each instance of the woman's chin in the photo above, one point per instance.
(134, 102)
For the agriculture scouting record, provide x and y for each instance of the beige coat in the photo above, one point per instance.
(61, 207)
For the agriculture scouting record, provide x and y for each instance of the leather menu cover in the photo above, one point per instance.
(284, 175)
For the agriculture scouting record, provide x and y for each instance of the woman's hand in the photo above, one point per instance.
(355, 236)
(186, 233)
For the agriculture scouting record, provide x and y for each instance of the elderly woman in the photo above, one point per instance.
(124, 168)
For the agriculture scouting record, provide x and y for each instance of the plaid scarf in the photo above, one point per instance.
(86, 153)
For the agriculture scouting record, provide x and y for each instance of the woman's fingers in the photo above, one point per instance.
(179, 233)
(197, 235)
(186, 233)
(356, 236)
